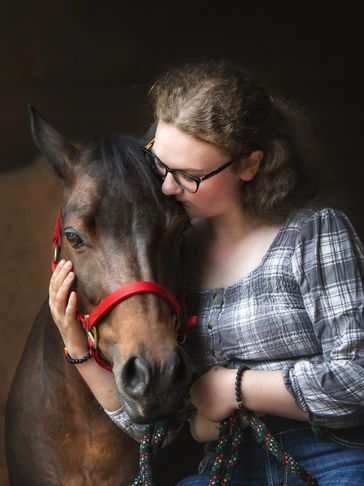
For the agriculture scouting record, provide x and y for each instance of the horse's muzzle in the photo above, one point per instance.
(150, 391)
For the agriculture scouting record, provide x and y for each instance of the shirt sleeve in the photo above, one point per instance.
(136, 431)
(328, 264)
(121, 419)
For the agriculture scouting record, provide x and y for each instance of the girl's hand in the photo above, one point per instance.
(63, 305)
(213, 394)
(202, 429)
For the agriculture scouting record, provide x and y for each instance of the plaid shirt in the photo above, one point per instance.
(299, 311)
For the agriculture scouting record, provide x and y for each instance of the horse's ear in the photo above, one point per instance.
(60, 153)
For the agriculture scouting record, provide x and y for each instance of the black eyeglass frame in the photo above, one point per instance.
(197, 179)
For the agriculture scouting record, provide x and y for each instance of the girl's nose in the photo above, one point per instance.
(170, 186)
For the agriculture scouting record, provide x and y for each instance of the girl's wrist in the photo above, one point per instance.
(230, 382)
(239, 379)
(76, 350)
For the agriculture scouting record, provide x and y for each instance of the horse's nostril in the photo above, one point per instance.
(149, 380)
(177, 369)
(136, 376)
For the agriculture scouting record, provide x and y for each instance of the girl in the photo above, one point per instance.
(280, 288)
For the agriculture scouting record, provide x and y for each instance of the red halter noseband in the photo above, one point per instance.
(89, 322)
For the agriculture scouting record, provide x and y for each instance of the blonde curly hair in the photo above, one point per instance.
(221, 103)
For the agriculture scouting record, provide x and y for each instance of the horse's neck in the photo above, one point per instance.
(49, 402)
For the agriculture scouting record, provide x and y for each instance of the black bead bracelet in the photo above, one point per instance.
(76, 360)
(239, 374)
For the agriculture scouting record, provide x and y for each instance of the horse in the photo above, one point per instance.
(117, 228)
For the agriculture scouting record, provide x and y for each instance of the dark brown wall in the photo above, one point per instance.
(87, 65)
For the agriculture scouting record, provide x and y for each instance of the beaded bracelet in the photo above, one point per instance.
(239, 374)
(76, 360)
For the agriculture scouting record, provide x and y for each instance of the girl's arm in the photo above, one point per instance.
(63, 305)
(263, 392)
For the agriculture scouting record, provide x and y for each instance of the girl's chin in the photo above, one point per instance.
(192, 211)
(196, 213)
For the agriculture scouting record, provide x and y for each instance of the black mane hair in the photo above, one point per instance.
(121, 158)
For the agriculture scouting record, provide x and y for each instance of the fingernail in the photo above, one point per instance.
(68, 264)
(70, 275)
(61, 263)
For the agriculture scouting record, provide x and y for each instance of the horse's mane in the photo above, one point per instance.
(120, 158)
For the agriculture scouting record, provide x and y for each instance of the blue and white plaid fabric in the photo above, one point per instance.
(299, 311)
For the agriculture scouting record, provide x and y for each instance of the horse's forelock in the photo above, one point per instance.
(119, 161)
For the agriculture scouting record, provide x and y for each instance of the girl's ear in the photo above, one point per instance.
(60, 153)
(251, 165)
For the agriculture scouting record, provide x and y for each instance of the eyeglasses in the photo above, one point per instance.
(185, 181)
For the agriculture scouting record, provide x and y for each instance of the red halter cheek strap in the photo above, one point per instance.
(57, 242)
(89, 322)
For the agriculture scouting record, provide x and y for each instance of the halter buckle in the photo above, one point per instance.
(92, 337)
(56, 254)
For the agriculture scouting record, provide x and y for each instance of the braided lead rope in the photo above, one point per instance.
(233, 459)
(270, 443)
(149, 449)
(222, 448)
(144, 476)
(158, 439)
(227, 450)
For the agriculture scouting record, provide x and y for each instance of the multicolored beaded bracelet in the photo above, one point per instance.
(76, 360)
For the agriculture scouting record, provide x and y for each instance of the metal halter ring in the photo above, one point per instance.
(56, 253)
(92, 337)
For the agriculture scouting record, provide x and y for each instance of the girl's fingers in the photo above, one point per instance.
(71, 307)
(63, 302)
(52, 284)
(61, 297)
(59, 275)
(70, 315)
(57, 279)
(59, 266)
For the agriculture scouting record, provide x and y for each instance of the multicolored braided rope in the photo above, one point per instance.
(227, 450)
(220, 453)
(270, 443)
(149, 450)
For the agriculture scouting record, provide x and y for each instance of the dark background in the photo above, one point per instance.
(87, 66)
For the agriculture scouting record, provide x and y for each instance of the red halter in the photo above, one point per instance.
(89, 322)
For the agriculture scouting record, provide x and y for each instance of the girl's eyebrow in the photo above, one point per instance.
(192, 171)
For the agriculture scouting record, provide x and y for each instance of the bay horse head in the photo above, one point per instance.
(118, 228)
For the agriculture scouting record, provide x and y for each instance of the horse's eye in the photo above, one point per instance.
(74, 239)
